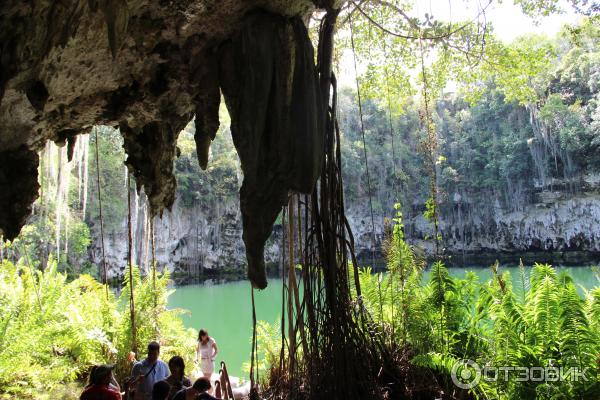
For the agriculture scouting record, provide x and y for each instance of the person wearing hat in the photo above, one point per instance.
(147, 372)
(100, 388)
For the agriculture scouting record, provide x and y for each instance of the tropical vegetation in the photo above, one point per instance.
(53, 330)
(539, 320)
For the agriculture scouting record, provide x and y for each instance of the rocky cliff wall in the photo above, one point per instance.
(557, 226)
(198, 241)
(206, 240)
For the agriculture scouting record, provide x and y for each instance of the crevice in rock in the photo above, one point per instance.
(37, 94)
(19, 183)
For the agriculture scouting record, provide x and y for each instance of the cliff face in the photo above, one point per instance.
(566, 223)
(556, 226)
(206, 240)
(191, 242)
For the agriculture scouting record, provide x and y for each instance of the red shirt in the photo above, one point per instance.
(99, 392)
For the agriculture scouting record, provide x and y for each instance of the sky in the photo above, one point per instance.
(508, 20)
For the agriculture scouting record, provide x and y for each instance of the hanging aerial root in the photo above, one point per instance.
(342, 355)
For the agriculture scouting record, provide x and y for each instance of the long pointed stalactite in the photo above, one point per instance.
(268, 78)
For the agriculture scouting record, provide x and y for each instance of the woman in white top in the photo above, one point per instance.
(206, 351)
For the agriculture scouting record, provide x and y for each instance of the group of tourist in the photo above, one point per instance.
(152, 379)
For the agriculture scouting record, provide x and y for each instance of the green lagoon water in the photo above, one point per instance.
(225, 309)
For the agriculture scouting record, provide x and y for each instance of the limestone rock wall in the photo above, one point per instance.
(558, 226)
(206, 240)
(190, 242)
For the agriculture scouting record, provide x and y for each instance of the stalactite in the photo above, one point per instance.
(143, 234)
(67, 233)
(66, 205)
(537, 146)
(79, 161)
(545, 146)
(147, 238)
(141, 231)
(52, 172)
(78, 158)
(48, 162)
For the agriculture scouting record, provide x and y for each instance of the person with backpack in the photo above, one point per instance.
(147, 372)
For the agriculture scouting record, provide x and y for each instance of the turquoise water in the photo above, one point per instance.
(225, 309)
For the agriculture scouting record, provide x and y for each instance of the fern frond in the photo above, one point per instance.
(544, 311)
(539, 272)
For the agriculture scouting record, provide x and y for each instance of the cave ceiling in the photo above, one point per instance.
(146, 67)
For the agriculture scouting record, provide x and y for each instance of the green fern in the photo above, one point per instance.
(541, 321)
(53, 330)
(538, 273)
(578, 346)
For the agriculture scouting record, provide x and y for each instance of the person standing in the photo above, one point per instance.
(206, 351)
(147, 372)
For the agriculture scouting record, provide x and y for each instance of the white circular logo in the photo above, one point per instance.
(466, 374)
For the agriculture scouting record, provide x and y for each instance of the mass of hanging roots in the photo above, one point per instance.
(330, 347)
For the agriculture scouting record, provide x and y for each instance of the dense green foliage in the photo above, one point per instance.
(53, 330)
(66, 215)
(495, 148)
(112, 180)
(222, 178)
(538, 319)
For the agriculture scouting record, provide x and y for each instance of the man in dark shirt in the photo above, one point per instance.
(198, 391)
